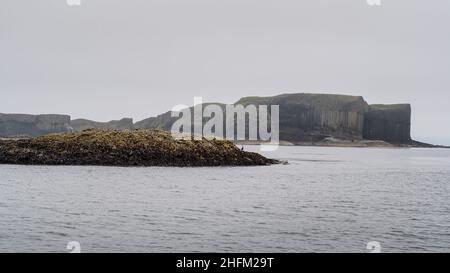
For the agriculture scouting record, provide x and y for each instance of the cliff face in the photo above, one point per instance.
(20, 125)
(391, 123)
(303, 118)
(163, 122)
(33, 125)
(83, 124)
(312, 117)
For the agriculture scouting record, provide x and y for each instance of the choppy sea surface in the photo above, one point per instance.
(325, 200)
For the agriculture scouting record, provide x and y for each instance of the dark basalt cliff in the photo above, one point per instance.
(125, 148)
(313, 117)
(16, 125)
(391, 123)
(304, 118)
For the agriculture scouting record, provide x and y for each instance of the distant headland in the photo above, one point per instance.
(305, 119)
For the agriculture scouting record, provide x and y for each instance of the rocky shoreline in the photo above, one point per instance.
(342, 143)
(125, 148)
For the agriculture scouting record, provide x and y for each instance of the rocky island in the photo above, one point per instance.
(305, 119)
(125, 148)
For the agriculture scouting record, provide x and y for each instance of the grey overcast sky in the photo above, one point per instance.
(109, 59)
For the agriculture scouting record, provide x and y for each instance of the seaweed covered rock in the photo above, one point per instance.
(125, 148)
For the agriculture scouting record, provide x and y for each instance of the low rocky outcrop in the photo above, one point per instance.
(125, 148)
(21, 125)
(79, 125)
(390, 123)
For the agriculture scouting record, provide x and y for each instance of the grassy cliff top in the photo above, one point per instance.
(323, 101)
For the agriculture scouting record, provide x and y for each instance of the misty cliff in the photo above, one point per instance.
(32, 125)
(83, 124)
(315, 117)
(303, 118)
